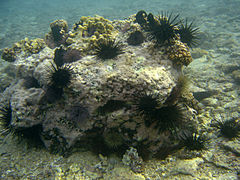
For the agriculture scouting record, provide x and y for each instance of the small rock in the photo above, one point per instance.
(188, 166)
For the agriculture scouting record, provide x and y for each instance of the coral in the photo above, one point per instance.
(58, 33)
(94, 26)
(179, 53)
(189, 34)
(108, 49)
(131, 158)
(9, 54)
(84, 35)
(90, 30)
(26, 46)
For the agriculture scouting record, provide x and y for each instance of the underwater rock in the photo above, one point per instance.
(189, 167)
(26, 47)
(236, 75)
(58, 33)
(66, 55)
(132, 159)
(179, 53)
(135, 38)
(198, 53)
(203, 94)
(99, 99)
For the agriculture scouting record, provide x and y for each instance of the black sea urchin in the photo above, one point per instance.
(192, 141)
(6, 118)
(189, 34)
(60, 76)
(147, 105)
(108, 49)
(229, 128)
(169, 117)
(30, 135)
(113, 139)
(31, 82)
(165, 29)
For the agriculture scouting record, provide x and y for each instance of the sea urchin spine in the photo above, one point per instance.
(6, 118)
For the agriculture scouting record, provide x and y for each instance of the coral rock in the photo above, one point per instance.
(26, 47)
(58, 34)
(101, 96)
(179, 53)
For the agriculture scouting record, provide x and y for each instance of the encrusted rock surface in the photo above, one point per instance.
(102, 95)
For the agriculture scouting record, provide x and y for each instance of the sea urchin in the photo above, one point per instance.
(169, 117)
(108, 49)
(229, 128)
(6, 118)
(189, 34)
(60, 76)
(165, 28)
(146, 106)
(192, 141)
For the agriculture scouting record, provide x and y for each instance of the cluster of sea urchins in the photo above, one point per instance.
(167, 27)
(164, 118)
(168, 118)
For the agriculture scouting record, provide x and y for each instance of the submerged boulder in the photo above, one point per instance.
(100, 103)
